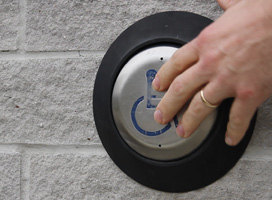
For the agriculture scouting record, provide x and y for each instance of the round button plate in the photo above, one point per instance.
(134, 102)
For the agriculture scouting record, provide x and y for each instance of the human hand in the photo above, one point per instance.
(230, 58)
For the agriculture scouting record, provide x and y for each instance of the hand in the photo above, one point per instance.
(230, 58)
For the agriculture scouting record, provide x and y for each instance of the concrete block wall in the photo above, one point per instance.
(49, 148)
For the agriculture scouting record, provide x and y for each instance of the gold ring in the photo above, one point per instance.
(206, 102)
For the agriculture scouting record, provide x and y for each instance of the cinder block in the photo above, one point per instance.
(68, 176)
(247, 180)
(93, 25)
(48, 101)
(75, 177)
(9, 20)
(10, 176)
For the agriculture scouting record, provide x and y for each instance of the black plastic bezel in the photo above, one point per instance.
(206, 164)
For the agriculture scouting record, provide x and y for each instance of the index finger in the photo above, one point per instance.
(181, 60)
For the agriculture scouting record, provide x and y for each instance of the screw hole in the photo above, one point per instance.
(161, 58)
(159, 145)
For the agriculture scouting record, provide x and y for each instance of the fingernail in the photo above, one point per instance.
(228, 140)
(158, 116)
(180, 130)
(156, 83)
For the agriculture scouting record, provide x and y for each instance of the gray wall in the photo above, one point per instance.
(49, 148)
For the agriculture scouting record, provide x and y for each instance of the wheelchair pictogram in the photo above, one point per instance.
(150, 75)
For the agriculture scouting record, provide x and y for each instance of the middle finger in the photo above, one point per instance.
(180, 91)
(181, 60)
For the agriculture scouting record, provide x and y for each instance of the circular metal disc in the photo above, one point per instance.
(134, 102)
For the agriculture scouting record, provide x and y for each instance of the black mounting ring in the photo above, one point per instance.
(207, 163)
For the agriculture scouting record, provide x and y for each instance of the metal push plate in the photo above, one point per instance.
(134, 102)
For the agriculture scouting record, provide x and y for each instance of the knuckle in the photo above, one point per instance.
(236, 130)
(175, 57)
(211, 57)
(235, 124)
(176, 87)
(188, 127)
(208, 62)
(192, 118)
(195, 110)
(204, 37)
(223, 79)
(176, 61)
(245, 93)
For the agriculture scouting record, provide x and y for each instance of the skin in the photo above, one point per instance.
(230, 58)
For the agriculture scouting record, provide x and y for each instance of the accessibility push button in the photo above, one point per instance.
(134, 102)
(150, 75)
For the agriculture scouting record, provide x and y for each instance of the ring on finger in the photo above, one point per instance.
(206, 102)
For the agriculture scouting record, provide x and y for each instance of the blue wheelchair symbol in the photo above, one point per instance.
(150, 75)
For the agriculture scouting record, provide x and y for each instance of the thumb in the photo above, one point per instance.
(225, 4)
